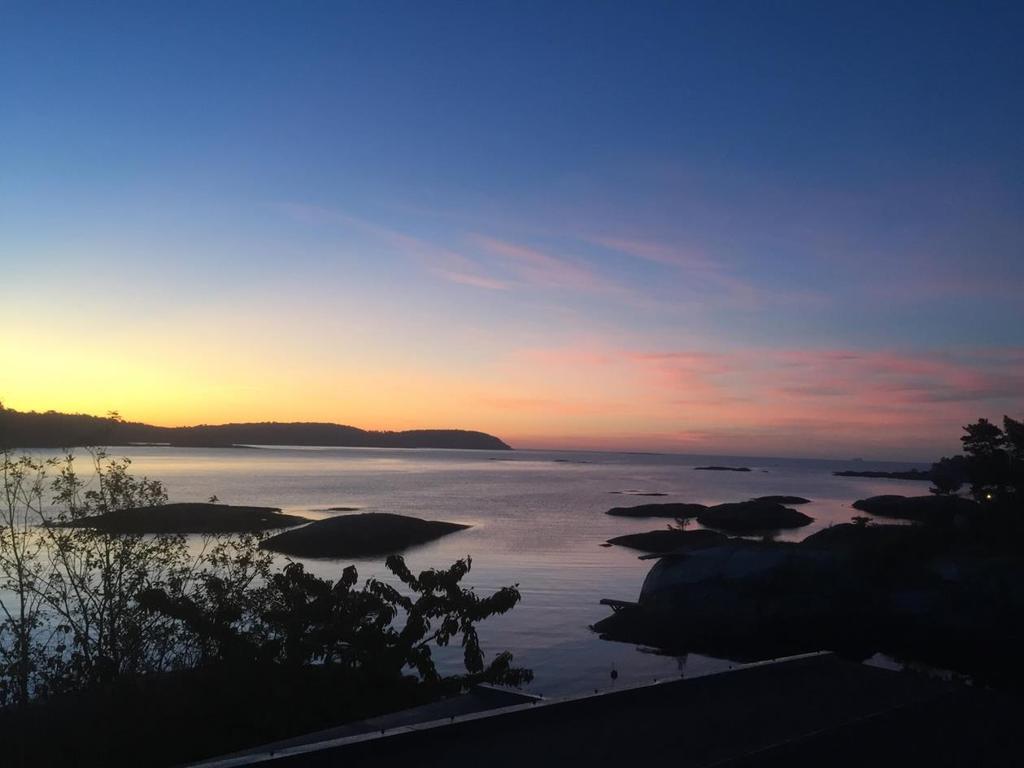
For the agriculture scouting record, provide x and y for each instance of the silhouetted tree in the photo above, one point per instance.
(298, 619)
(995, 459)
(95, 578)
(1014, 431)
(948, 474)
(21, 573)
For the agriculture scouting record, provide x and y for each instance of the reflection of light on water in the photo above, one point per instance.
(536, 522)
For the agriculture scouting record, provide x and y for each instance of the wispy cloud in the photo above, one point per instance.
(658, 253)
(469, 278)
(483, 261)
(705, 277)
(446, 263)
(541, 269)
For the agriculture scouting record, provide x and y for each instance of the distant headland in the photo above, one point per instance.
(20, 429)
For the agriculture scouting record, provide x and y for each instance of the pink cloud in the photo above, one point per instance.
(887, 378)
(477, 281)
(783, 401)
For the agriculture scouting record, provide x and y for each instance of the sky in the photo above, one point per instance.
(761, 228)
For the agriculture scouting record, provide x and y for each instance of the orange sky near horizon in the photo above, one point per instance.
(590, 395)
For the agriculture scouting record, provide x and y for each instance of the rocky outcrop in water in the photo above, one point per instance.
(673, 510)
(946, 596)
(670, 540)
(359, 535)
(910, 474)
(750, 517)
(189, 518)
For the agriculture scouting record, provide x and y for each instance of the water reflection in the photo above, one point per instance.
(537, 520)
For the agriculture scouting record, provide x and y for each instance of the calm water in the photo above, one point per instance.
(537, 520)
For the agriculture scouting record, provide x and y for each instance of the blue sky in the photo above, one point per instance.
(434, 193)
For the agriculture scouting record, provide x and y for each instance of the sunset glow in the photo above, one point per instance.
(398, 225)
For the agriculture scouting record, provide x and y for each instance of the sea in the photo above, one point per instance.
(538, 520)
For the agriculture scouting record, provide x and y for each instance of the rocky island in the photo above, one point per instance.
(783, 499)
(910, 474)
(672, 510)
(188, 518)
(763, 514)
(359, 535)
(749, 517)
(670, 540)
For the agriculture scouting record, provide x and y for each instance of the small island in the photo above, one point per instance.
(360, 535)
(670, 540)
(910, 474)
(760, 515)
(750, 517)
(190, 517)
(672, 510)
(715, 468)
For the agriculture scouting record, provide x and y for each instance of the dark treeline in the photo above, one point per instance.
(910, 474)
(30, 429)
(992, 464)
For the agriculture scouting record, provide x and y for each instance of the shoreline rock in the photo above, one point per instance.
(934, 594)
(922, 509)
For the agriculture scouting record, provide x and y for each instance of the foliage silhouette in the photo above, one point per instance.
(948, 475)
(298, 619)
(107, 627)
(995, 460)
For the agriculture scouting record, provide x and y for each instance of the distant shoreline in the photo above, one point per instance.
(62, 430)
(910, 474)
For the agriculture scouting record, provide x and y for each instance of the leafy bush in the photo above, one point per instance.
(81, 609)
